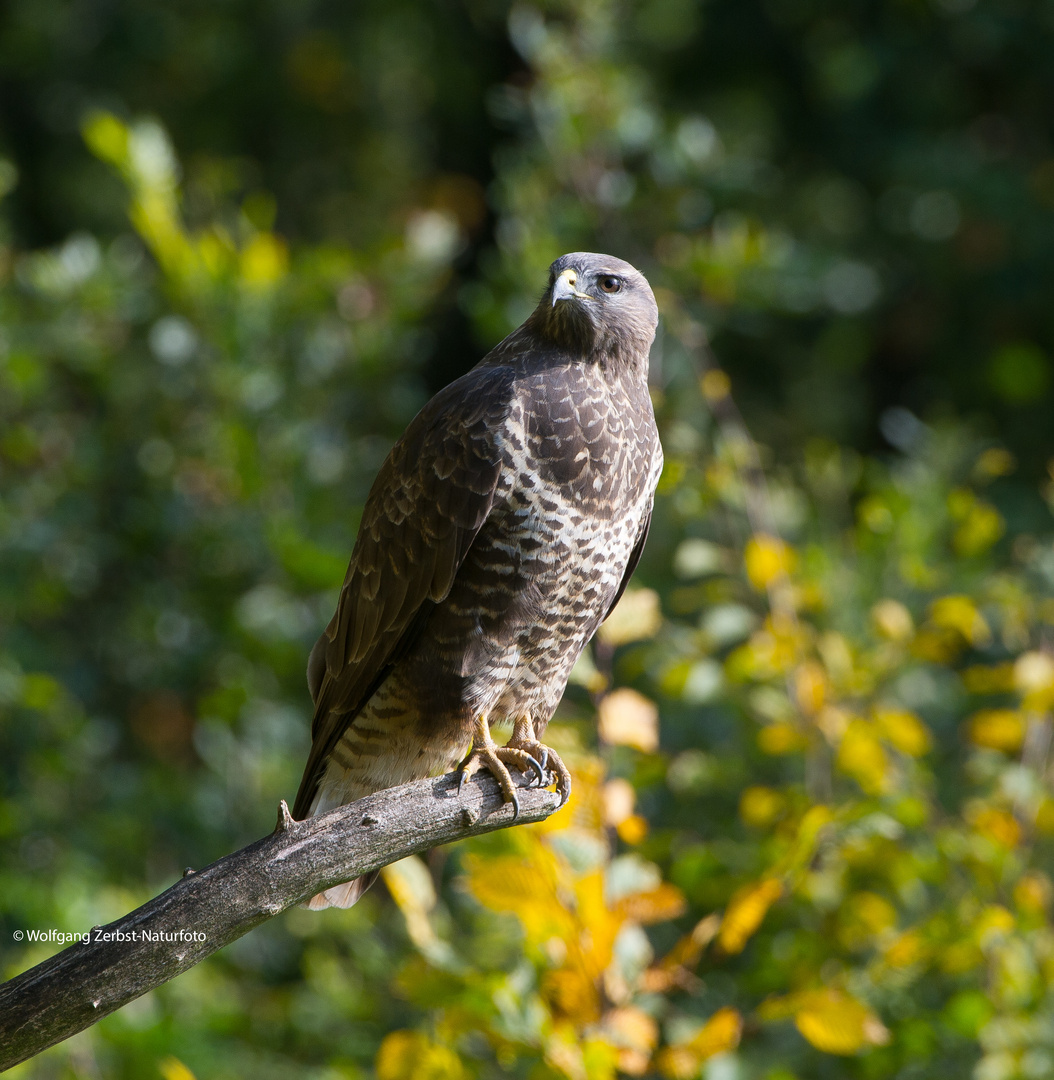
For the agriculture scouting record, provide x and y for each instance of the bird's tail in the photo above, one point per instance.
(342, 896)
(327, 796)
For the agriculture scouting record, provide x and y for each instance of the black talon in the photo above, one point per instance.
(537, 768)
(462, 777)
(515, 800)
(545, 756)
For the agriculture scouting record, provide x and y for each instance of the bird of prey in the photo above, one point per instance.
(499, 533)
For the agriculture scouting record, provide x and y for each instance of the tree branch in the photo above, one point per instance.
(212, 907)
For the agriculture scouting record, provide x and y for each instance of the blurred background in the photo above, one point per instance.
(242, 243)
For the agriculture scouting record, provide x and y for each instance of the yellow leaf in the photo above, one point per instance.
(861, 756)
(959, 613)
(664, 902)
(833, 721)
(997, 825)
(719, 1034)
(761, 806)
(264, 260)
(573, 994)
(678, 1063)
(172, 1068)
(216, 252)
(619, 799)
(716, 386)
(995, 461)
(863, 917)
(981, 525)
(601, 923)
(908, 949)
(527, 887)
(893, 620)
(875, 515)
(772, 650)
(411, 887)
(107, 138)
(586, 809)
(936, 645)
(627, 718)
(585, 673)
(631, 1027)
(632, 830)
(40, 691)
(992, 925)
(777, 739)
(767, 558)
(810, 687)
(633, 1062)
(745, 913)
(636, 617)
(958, 957)
(997, 729)
(836, 1023)
(409, 1055)
(904, 730)
(813, 820)
(685, 954)
(1045, 816)
(1034, 680)
(989, 679)
(1033, 893)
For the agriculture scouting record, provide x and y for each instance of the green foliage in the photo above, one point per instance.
(813, 835)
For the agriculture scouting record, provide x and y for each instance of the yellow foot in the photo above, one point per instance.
(486, 754)
(524, 738)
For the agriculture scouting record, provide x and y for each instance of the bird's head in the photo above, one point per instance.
(597, 305)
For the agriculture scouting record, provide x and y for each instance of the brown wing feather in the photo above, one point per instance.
(430, 499)
(634, 558)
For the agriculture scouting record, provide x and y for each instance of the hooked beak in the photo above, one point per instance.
(564, 287)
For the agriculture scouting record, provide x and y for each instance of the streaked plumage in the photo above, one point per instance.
(498, 535)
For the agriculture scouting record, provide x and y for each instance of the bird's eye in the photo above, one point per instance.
(610, 284)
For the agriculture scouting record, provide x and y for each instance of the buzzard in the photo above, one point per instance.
(499, 534)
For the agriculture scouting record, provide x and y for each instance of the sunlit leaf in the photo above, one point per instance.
(836, 1023)
(810, 687)
(171, 1068)
(1034, 680)
(832, 1020)
(263, 261)
(959, 613)
(627, 718)
(719, 1034)
(862, 757)
(745, 912)
(657, 905)
(767, 559)
(908, 949)
(1034, 893)
(781, 739)
(760, 806)
(997, 729)
(904, 731)
(893, 620)
(410, 1055)
(636, 617)
(998, 825)
(985, 679)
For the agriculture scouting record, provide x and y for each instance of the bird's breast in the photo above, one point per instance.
(582, 442)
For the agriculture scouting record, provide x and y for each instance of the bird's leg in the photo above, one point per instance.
(486, 754)
(524, 738)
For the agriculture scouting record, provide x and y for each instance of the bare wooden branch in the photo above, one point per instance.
(210, 908)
